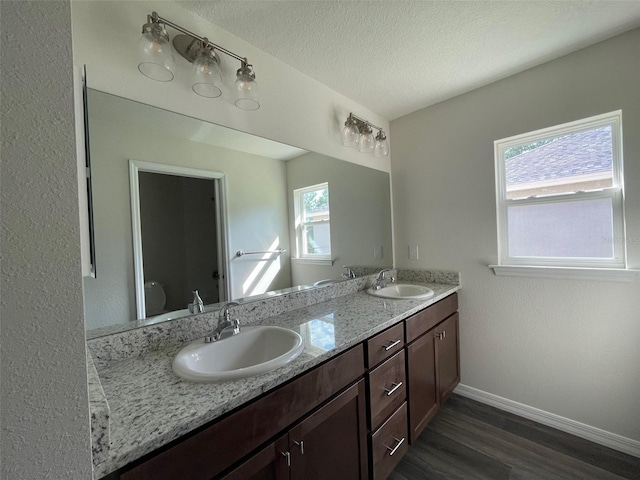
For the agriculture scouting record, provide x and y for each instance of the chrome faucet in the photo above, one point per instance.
(382, 280)
(348, 273)
(224, 321)
(197, 306)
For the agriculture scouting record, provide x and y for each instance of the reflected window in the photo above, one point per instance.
(319, 334)
(313, 222)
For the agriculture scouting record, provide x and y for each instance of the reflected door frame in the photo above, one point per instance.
(222, 230)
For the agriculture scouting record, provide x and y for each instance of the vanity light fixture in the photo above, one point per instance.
(156, 62)
(358, 133)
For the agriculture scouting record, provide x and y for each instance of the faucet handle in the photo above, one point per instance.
(349, 273)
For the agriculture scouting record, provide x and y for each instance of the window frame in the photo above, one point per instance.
(615, 193)
(298, 202)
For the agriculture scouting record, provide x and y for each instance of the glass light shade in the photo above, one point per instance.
(381, 148)
(366, 142)
(206, 74)
(247, 95)
(350, 134)
(154, 49)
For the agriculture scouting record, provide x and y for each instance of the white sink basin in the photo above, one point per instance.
(402, 291)
(253, 351)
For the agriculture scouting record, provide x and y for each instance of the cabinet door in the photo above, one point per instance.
(332, 442)
(448, 357)
(268, 464)
(422, 386)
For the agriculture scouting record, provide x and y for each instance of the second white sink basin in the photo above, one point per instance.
(402, 291)
(253, 351)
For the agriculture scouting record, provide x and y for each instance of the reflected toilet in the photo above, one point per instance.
(154, 298)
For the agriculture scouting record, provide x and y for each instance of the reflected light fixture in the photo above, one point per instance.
(358, 133)
(156, 62)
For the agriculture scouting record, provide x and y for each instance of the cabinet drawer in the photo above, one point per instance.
(385, 344)
(425, 320)
(389, 443)
(387, 388)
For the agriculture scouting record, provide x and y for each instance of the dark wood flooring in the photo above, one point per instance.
(468, 440)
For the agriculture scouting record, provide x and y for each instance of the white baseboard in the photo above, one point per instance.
(602, 437)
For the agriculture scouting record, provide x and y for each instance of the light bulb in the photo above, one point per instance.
(154, 49)
(247, 94)
(350, 133)
(366, 142)
(207, 74)
(381, 148)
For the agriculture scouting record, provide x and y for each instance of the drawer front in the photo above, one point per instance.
(385, 344)
(261, 420)
(387, 388)
(389, 443)
(428, 318)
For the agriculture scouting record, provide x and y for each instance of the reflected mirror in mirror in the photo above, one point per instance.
(243, 234)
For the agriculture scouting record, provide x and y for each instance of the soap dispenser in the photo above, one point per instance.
(198, 305)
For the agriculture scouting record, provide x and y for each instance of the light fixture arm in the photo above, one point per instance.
(362, 121)
(155, 18)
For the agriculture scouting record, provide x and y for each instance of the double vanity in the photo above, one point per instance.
(372, 371)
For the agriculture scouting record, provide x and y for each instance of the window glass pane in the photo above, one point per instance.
(577, 229)
(563, 164)
(317, 239)
(316, 205)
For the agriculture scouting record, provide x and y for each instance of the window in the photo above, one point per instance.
(559, 195)
(313, 230)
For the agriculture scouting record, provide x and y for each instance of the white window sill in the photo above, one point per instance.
(624, 275)
(313, 261)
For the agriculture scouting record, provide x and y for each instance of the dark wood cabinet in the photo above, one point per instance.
(447, 357)
(270, 463)
(433, 361)
(332, 442)
(423, 390)
(315, 448)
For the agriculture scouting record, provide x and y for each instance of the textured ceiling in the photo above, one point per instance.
(397, 56)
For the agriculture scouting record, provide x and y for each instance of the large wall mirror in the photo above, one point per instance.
(181, 205)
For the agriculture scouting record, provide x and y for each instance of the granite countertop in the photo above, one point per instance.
(150, 406)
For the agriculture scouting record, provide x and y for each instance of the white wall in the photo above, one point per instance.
(256, 205)
(295, 109)
(567, 347)
(45, 415)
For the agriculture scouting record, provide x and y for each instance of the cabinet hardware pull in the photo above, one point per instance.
(399, 441)
(395, 386)
(444, 334)
(439, 335)
(301, 445)
(287, 456)
(391, 345)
